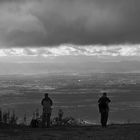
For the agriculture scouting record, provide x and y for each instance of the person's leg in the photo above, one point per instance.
(102, 119)
(48, 120)
(105, 118)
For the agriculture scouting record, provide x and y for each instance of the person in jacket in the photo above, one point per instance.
(103, 103)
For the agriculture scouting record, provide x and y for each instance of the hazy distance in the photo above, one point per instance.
(67, 64)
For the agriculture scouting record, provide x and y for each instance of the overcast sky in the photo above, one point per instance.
(69, 25)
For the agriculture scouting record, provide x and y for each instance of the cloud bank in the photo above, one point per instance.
(54, 22)
(74, 50)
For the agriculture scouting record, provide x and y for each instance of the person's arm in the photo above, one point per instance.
(99, 100)
(51, 102)
(108, 100)
(42, 101)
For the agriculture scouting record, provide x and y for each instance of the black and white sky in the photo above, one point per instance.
(70, 27)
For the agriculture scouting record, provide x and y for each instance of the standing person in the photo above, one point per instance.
(47, 110)
(104, 108)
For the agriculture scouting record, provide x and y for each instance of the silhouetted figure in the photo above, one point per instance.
(34, 122)
(60, 116)
(104, 108)
(47, 110)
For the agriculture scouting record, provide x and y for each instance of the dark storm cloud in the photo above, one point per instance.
(55, 22)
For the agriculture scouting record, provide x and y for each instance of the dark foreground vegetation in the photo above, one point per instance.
(62, 128)
(112, 132)
(9, 119)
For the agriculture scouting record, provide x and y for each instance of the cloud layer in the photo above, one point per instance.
(74, 50)
(56, 22)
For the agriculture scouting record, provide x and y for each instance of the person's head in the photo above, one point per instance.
(104, 94)
(46, 95)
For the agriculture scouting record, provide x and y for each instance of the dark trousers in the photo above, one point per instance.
(46, 119)
(104, 118)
